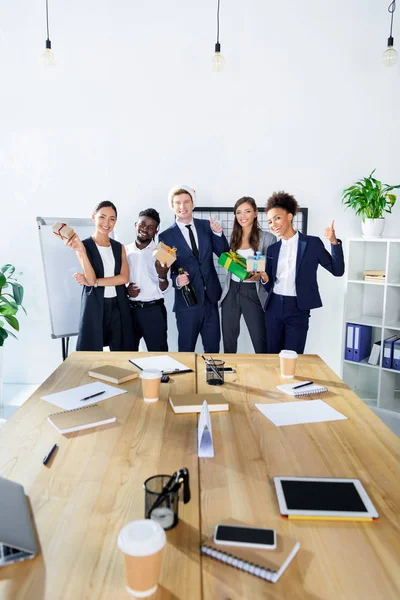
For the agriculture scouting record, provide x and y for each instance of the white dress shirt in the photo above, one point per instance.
(185, 232)
(142, 272)
(107, 257)
(285, 283)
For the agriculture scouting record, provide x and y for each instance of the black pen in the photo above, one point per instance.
(296, 387)
(48, 456)
(93, 396)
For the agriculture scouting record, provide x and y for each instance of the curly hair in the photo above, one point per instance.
(152, 213)
(282, 200)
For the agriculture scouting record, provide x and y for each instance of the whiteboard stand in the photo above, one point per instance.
(59, 265)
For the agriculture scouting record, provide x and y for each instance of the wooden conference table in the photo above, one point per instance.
(93, 487)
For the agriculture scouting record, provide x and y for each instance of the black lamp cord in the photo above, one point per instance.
(391, 9)
(47, 20)
(218, 45)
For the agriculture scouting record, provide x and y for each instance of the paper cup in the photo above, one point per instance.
(288, 360)
(151, 380)
(142, 543)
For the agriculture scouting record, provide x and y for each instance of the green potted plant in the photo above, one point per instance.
(11, 296)
(370, 199)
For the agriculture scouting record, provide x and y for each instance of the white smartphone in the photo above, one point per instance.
(249, 537)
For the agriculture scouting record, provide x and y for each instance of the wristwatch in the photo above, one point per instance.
(96, 283)
(161, 280)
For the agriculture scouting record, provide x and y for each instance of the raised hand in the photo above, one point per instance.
(75, 243)
(215, 226)
(80, 278)
(162, 269)
(183, 279)
(133, 290)
(330, 235)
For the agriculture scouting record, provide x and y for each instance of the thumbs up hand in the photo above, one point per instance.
(330, 235)
(215, 226)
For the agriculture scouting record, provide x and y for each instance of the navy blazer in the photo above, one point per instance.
(202, 273)
(311, 252)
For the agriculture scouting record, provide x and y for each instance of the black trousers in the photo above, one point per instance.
(200, 320)
(287, 325)
(149, 322)
(242, 299)
(112, 325)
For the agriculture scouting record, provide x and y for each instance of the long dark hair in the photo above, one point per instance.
(237, 230)
(104, 204)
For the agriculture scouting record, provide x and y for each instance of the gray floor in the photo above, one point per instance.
(15, 394)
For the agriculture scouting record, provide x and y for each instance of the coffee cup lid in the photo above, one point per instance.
(288, 354)
(150, 374)
(141, 538)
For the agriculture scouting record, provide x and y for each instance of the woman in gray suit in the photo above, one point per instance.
(245, 297)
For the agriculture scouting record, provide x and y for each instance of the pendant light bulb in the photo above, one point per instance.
(389, 57)
(218, 60)
(48, 57)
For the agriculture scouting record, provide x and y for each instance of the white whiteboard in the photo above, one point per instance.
(59, 265)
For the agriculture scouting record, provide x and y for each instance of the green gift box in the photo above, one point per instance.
(236, 264)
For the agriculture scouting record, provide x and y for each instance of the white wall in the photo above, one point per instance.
(134, 108)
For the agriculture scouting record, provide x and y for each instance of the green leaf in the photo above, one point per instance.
(3, 335)
(5, 268)
(18, 292)
(7, 309)
(12, 321)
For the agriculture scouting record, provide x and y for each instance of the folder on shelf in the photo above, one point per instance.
(349, 341)
(375, 354)
(388, 351)
(396, 355)
(362, 342)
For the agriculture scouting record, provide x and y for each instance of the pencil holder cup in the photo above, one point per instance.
(215, 372)
(161, 497)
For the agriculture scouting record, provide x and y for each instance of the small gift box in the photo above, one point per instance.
(234, 263)
(164, 254)
(256, 262)
(62, 231)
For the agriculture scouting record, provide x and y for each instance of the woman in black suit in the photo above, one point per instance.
(291, 275)
(105, 317)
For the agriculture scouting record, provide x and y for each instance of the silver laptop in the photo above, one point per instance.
(17, 539)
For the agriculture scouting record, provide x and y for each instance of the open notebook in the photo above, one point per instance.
(266, 564)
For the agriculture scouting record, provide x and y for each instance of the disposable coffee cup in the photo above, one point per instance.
(151, 380)
(288, 360)
(142, 543)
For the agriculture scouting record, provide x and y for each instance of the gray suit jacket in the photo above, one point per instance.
(266, 239)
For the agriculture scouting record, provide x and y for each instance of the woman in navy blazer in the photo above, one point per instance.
(291, 275)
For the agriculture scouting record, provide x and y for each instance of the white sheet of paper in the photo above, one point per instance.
(205, 447)
(164, 363)
(296, 413)
(72, 398)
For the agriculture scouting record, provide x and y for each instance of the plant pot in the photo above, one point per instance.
(373, 228)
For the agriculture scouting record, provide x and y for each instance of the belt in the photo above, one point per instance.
(136, 304)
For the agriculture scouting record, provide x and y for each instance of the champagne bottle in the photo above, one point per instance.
(188, 291)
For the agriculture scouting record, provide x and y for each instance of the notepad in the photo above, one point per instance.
(308, 390)
(84, 417)
(163, 363)
(297, 413)
(113, 374)
(266, 564)
(73, 398)
(192, 403)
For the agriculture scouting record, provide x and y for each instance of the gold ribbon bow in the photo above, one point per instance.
(234, 257)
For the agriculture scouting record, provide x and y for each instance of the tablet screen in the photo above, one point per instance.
(322, 496)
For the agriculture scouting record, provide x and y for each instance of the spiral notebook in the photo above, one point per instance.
(76, 419)
(309, 390)
(266, 564)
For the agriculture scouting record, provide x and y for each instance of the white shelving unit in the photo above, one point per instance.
(378, 305)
